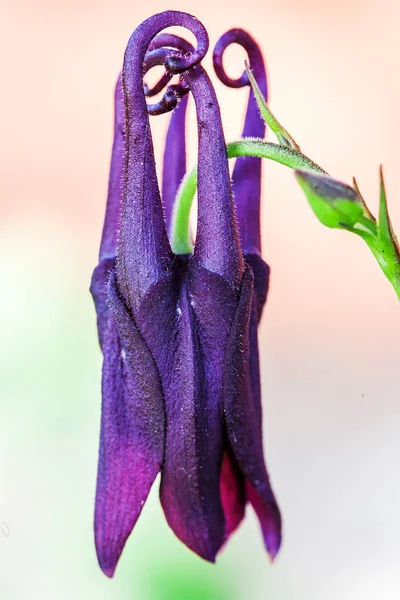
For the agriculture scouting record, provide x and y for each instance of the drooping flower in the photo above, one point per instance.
(180, 382)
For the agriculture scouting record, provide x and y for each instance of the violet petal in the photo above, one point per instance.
(246, 176)
(143, 252)
(132, 432)
(217, 246)
(174, 166)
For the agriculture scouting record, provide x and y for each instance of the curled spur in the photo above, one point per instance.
(178, 333)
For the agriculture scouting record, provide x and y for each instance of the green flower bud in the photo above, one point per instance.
(335, 204)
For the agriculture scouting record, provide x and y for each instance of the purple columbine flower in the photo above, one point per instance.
(180, 383)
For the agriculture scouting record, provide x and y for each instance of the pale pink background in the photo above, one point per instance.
(330, 350)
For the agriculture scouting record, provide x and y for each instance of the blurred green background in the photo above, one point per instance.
(330, 351)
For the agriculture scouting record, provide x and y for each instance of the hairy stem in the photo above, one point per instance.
(181, 239)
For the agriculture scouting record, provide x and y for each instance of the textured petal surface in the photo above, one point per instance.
(242, 404)
(144, 253)
(185, 320)
(217, 246)
(132, 432)
(108, 245)
(246, 176)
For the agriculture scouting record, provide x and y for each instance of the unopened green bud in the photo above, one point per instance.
(335, 204)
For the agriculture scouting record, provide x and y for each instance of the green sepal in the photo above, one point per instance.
(284, 138)
(387, 244)
(367, 213)
(385, 228)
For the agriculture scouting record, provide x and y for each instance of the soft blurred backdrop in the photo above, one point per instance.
(330, 351)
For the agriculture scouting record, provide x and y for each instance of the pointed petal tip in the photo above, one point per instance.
(203, 548)
(273, 544)
(197, 540)
(269, 517)
(271, 526)
(108, 571)
(210, 558)
(272, 531)
(204, 551)
(108, 560)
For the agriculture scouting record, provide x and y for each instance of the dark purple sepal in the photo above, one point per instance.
(132, 431)
(243, 415)
(185, 319)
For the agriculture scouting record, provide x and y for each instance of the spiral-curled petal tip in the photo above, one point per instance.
(248, 43)
(246, 176)
(144, 252)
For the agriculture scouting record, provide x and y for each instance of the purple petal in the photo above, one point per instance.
(173, 93)
(109, 236)
(143, 251)
(246, 176)
(233, 494)
(165, 40)
(217, 246)
(132, 432)
(267, 511)
(185, 320)
(174, 168)
(242, 404)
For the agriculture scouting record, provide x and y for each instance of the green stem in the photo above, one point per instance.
(385, 255)
(380, 240)
(181, 240)
(283, 136)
